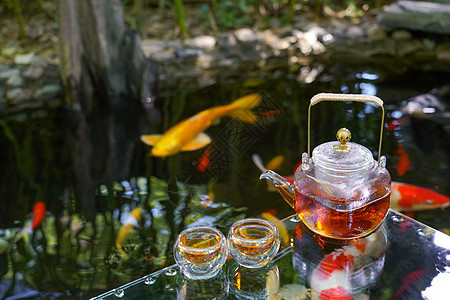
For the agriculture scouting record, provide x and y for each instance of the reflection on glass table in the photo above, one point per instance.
(403, 259)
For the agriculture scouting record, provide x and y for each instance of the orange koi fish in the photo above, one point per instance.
(272, 112)
(274, 164)
(39, 210)
(269, 216)
(394, 124)
(131, 221)
(204, 161)
(404, 163)
(188, 135)
(410, 280)
(408, 197)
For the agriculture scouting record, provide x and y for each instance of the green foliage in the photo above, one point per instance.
(18, 14)
(179, 11)
(228, 13)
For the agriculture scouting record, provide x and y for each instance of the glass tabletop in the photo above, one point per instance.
(403, 259)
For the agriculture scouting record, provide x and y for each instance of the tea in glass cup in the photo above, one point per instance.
(253, 242)
(200, 252)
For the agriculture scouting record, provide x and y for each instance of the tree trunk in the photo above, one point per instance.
(106, 76)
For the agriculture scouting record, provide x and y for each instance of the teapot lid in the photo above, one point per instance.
(342, 156)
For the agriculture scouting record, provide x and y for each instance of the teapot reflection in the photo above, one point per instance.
(338, 269)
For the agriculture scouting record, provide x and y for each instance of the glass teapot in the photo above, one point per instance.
(340, 191)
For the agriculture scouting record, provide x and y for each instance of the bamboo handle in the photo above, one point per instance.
(345, 97)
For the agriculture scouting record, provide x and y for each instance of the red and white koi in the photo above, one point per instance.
(332, 278)
(408, 197)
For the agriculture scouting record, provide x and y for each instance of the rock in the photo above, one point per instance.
(8, 72)
(430, 44)
(163, 55)
(297, 34)
(48, 91)
(417, 15)
(24, 59)
(158, 50)
(375, 33)
(19, 94)
(33, 72)
(443, 53)
(246, 35)
(230, 63)
(354, 31)
(15, 80)
(10, 51)
(408, 47)
(150, 47)
(3, 67)
(2, 94)
(38, 61)
(310, 37)
(282, 44)
(227, 40)
(174, 44)
(401, 35)
(268, 37)
(319, 31)
(204, 61)
(205, 42)
(328, 39)
(188, 53)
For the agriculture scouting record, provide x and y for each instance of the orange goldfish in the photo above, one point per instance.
(407, 197)
(39, 210)
(188, 135)
(404, 163)
(131, 221)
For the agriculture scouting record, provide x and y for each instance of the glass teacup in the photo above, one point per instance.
(200, 252)
(253, 242)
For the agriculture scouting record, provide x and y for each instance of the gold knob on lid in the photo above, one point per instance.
(343, 136)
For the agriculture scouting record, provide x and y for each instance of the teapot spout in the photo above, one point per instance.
(284, 187)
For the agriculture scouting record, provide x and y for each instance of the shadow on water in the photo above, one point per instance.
(92, 184)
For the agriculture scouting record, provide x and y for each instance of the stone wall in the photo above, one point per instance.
(32, 83)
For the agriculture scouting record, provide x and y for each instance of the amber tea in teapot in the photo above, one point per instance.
(340, 191)
(336, 223)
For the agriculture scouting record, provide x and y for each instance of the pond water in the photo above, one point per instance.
(75, 251)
